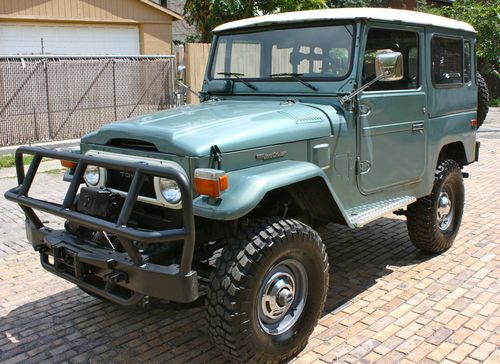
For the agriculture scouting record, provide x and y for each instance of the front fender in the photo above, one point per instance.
(247, 187)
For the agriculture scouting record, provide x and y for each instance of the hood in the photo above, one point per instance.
(231, 125)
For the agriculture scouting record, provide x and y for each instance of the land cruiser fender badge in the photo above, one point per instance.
(273, 155)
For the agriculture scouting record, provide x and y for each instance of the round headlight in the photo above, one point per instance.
(170, 191)
(92, 175)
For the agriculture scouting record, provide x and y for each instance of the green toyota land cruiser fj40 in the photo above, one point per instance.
(306, 118)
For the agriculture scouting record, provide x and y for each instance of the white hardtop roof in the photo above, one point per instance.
(384, 14)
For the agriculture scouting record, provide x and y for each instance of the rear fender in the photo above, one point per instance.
(247, 187)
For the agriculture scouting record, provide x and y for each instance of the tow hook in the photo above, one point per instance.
(113, 278)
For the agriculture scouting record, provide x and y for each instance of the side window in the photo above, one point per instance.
(446, 59)
(339, 61)
(398, 41)
(413, 67)
(467, 62)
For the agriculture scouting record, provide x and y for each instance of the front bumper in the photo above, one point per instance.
(63, 254)
(76, 260)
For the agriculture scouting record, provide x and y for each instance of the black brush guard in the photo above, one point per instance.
(130, 269)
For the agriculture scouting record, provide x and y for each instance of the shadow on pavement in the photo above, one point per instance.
(72, 326)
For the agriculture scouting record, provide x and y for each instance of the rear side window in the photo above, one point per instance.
(446, 56)
(467, 62)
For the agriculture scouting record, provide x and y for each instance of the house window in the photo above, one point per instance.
(446, 59)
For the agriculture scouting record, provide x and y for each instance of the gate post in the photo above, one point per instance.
(181, 73)
(49, 116)
(114, 90)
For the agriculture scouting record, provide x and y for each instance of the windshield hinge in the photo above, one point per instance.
(216, 155)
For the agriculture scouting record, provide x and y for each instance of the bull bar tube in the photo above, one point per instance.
(130, 270)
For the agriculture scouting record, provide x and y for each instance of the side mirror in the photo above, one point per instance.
(388, 65)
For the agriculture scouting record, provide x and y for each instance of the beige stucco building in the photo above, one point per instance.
(85, 27)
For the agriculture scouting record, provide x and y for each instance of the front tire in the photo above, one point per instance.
(267, 291)
(433, 221)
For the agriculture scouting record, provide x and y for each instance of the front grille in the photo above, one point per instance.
(121, 181)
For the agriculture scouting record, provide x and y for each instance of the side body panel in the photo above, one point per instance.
(249, 186)
(451, 109)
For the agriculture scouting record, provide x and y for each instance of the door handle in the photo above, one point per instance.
(417, 127)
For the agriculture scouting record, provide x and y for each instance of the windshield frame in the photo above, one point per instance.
(294, 25)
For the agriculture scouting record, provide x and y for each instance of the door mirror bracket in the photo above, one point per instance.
(388, 67)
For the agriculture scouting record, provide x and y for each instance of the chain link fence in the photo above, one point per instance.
(55, 98)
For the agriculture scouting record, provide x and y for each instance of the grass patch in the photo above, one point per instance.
(55, 171)
(495, 101)
(7, 161)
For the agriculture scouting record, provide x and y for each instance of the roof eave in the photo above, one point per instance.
(172, 13)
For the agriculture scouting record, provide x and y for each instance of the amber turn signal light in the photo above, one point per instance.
(210, 182)
(68, 164)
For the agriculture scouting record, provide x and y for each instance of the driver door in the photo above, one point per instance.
(392, 115)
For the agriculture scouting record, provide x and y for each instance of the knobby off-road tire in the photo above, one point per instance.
(256, 273)
(433, 221)
(483, 99)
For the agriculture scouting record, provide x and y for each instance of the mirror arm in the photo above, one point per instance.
(344, 101)
(187, 87)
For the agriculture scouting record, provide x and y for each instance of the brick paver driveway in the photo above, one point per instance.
(387, 301)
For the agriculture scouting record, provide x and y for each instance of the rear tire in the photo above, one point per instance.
(267, 291)
(433, 221)
(483, 99)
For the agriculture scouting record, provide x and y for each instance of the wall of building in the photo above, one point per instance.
(180, 29)
(155, 26)
(125, 11)
(155, 38)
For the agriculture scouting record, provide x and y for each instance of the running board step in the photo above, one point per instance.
(364, 214)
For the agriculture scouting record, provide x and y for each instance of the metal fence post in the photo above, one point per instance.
(180, 75)
(49, 116)
(35, 126)
(114, 90)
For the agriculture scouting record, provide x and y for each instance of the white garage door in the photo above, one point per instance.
(60, 39)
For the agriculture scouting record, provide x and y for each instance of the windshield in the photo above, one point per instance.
(312, 52)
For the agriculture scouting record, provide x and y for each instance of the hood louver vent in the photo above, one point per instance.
(304, 116)
(133, 144)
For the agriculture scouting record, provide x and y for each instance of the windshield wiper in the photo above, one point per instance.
(238, 76)
(295, 76)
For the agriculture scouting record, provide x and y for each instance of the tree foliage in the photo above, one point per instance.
(355, 3)
(207, 14)
(484, 16)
